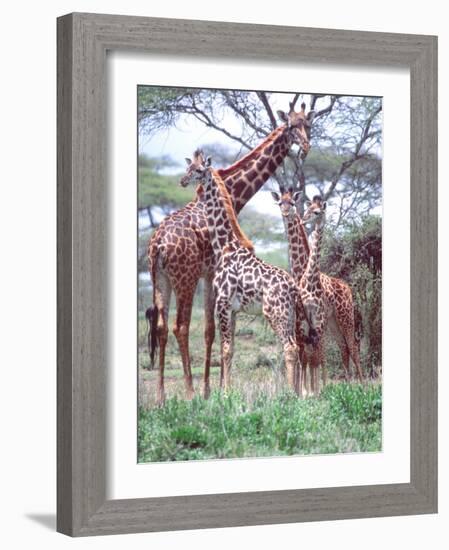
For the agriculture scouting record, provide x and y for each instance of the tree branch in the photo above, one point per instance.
(205, 119)
(264, 99)
(313, 100)
(241, 112)
(366, 134)
(327, 109)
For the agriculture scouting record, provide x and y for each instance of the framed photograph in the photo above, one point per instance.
(247, 274)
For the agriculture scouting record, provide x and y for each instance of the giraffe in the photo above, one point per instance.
(311, 289)
(180, 253)
(241, 278)
(325, 299)
(338, 295)
(298, 250)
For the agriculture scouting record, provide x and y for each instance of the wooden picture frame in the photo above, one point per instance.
(83, 40)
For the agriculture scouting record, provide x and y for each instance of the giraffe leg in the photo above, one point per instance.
(317, 327)
(281, 321)
(162, 302)
(307, 371)
(348, 331)
(317, 377)
(344, 325)
(226, 319)
(345, 361)
(291, 361)
(349, 349)
(303, 366)
(312, 369)
(209, 331)
(305, 376)
(302, 359)
(299, 372)
(181, 331)
(353, 351)
(317, 366)
(307, 383)
(322, 356)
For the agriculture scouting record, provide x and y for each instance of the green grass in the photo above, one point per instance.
(260, 416)
(344, 418)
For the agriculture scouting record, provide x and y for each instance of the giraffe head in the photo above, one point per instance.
(199, 170)
(196, 169)
(298, 126)
(315, 211)
(287, 201)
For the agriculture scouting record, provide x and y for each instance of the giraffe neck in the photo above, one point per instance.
(222, 223)
(312, 272)
(298, 246)
(244, 178)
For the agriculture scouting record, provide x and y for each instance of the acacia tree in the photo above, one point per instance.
(344, 163)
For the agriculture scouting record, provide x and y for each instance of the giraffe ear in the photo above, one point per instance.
(208, 162)
(310, 117)
(282, 116)
(296, 196)
(188, 161)
(275, 196)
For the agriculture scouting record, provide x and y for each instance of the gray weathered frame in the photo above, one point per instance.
(83, 40)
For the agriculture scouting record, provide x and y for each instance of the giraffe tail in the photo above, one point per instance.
(152, 313)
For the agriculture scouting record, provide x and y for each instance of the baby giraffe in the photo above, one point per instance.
(310, 287)
(240, 277)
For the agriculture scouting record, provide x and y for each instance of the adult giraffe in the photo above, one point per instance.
(180, 253)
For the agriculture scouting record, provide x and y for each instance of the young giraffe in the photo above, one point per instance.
(240, 277)
(339, 301)
(180, 253)
(312, 289)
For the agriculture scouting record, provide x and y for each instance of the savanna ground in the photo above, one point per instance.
(260, 416)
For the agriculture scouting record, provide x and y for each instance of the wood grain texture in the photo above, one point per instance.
(83, 40)
(423, 272)
(64, 276)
